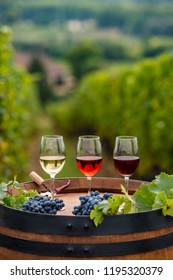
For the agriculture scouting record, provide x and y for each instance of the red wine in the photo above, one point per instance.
(126, 165)
(89, 165)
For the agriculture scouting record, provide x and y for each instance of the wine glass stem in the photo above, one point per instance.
(126, 178)
(52, 185)
(89, 184)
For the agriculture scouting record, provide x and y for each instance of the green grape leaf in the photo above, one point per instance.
(162, 183)
(144, 198)
(3, 190)
(157, 194)
(13, 200)
(115, 203)
(5, 187)
(97, 216)
(16, 184)
(168, 208)
(106, 207)
(10, 200)
(16, 201)
(128, 206)
(103, 207)
(160, 200)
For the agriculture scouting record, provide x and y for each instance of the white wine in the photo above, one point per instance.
(52, 164)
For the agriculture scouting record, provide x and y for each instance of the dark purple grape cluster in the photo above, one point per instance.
(43, 204)
(88, 202)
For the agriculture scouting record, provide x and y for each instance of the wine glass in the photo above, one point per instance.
(89, 156)
(52, 156)
(126, 156)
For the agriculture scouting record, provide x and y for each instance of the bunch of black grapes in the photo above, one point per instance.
(43, 204)
(88, 202)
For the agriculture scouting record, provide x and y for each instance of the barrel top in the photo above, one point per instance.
(78, 186)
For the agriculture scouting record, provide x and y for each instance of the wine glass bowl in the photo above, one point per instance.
(126, 156)
(89, 156)
(52, 156)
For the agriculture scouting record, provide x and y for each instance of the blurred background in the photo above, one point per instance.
(76, 67)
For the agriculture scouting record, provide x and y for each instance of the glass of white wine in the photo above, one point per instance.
(52, 156)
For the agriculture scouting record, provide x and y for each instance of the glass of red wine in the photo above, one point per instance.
(126, 156)
(89, 156)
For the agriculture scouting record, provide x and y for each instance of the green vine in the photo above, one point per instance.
(157, 194)
(8, 198)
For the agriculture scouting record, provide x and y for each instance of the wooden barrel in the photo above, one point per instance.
(23, 235)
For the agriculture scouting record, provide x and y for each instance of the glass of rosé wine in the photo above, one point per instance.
(52, 156)
(89, 156)
(126, 156)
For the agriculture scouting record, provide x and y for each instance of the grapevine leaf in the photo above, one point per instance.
(106, 207)
(115, 202)
(128, 206)
(144, 198)
(123, 189)
(160, 200)
(9, 200)
(162, 183)
(30, 193)
(103, 206)
(16, 184)
(3, 190)
(154, 195)
(9, 183)
(92, 214)
(14, 201)
(168, 208)
(97, 216)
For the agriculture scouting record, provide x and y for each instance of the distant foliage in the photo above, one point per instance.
(44, 89)
(84, 58)
(137, 101)
(130, 16)
(120, 29)
(18, 105)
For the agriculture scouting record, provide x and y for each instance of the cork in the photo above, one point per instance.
(36, 178)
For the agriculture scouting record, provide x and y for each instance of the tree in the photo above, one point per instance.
(84, 58)
(18, 108)
(44, 89)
